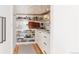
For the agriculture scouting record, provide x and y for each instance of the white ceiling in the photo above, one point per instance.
(31, 9)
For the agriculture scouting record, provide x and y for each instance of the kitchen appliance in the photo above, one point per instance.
(34, 25)
(2, 29)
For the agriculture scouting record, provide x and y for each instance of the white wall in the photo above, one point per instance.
(14, 28)
(6, 11)
(65, 29)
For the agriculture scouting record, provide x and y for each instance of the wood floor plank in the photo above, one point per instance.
(16, 49)
(37, 49)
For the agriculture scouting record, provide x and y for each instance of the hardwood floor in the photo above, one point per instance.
(35, 48)
(16, 49)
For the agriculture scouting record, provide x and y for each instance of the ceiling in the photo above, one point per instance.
(31, 9)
